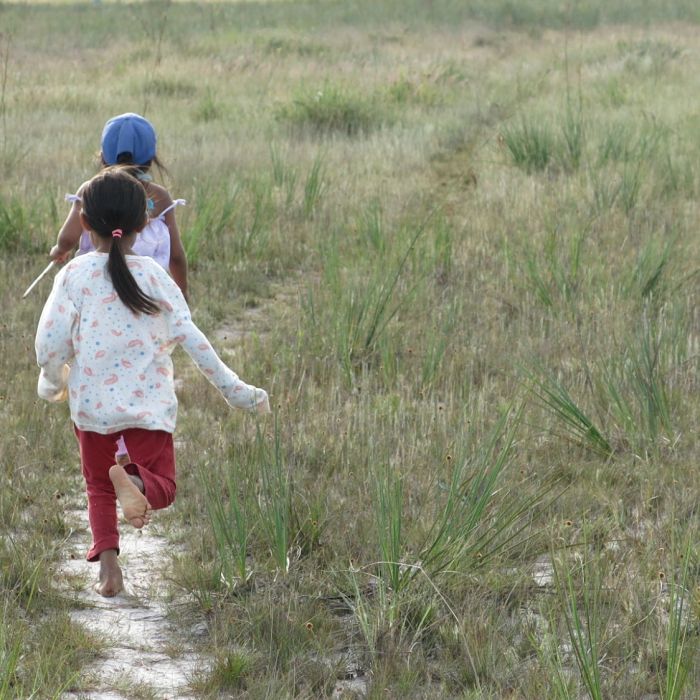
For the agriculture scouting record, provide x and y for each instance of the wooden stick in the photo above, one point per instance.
(39, 278)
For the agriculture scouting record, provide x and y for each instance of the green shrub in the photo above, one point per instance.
(333, 110)
(531, 145)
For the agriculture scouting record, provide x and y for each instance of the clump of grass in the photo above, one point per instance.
(213, 210)
(275, 498)
(681, 640)
(358, 309)
(630, 154)
(473, 525)
(553, 273)
(531, 144)
(536, 144)
(573, 134)
(580, 588)
(636, 386)
(388, 507)
(13, 224)
(314, 186)
(578, 426)
(333, 110)
(253, 220)
(229, 671)
(169, 88)
(285, 177)
(649, 277)
(230, 522)
(208, 108)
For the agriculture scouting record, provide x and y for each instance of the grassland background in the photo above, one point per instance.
(461, 240)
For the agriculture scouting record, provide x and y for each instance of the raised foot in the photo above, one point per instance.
(135, 507)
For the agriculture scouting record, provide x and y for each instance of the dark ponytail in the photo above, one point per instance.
(114, 205)
(126, 161)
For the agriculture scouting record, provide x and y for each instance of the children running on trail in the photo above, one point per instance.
(104, 342)
(130, 140)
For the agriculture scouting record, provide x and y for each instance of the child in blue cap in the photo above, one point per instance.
(130, 140)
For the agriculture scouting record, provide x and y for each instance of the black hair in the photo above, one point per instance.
(113, 200)
(126, 160)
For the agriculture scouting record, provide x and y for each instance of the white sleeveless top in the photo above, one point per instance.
(153, 241)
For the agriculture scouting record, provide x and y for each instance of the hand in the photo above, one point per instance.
(263, 406)
(58, 255)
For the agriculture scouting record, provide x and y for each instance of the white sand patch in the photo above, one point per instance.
(142, 646)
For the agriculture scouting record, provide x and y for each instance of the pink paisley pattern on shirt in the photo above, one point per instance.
(121, 370)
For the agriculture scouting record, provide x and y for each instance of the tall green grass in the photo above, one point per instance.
(275, 498)
(475, 521)
(230, 521)
(530, 143)
(331, 109)
(356, 309)
(580, 585)
(681, 641)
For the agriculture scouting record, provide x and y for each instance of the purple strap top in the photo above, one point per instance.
(153, 241)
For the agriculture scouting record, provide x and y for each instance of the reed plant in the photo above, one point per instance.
(577, 424)
(230, 522)
(681, 641)
(389, 516)
(274, 497)
(580, 586)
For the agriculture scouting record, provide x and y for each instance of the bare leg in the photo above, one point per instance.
(138, 482)
(129, 490)
(111, 581)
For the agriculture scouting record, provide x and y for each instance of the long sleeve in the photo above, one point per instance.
(121, 370)
(185, 333)
(54, 342)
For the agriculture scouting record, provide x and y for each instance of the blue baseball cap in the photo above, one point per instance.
(129, 133)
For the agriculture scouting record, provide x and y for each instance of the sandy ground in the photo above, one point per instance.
(142, 653)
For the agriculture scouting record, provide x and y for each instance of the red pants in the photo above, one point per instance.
(153, 461)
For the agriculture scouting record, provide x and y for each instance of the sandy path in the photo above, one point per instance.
(144, 649)
(143, 654)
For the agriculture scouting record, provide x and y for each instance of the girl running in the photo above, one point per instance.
(130, 140)
(104, 342)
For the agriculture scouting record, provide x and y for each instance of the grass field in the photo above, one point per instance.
(457, 242)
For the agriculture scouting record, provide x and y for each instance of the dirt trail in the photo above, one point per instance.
(143, 656)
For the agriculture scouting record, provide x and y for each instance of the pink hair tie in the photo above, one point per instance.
(117, 233)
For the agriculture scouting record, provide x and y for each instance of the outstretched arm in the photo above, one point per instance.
(236, 392)
(184, 332)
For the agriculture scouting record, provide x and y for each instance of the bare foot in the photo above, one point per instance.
(135, 507)
(111, 581)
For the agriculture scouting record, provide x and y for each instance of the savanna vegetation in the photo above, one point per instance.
(458, 243)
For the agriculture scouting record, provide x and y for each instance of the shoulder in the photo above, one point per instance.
(159, 282)
(80, 272)
(150, 269)
(83, 263)
(160, 196)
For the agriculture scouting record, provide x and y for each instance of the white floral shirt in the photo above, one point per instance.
(121, 371)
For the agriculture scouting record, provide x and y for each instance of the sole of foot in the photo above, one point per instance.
(135, 507)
